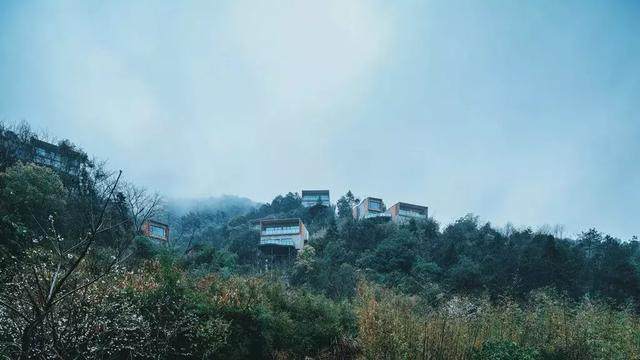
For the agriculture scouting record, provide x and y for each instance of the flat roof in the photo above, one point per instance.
(278, 221)
(404, 204)
(154, 222)
(304, 192)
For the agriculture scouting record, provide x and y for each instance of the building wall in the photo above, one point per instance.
(362, 210)
(313, 197)
(295, 239)
(148, 231)
(398, 215)
(59, 157)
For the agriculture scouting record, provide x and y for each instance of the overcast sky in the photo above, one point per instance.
(515, 112)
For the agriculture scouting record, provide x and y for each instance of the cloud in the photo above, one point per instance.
(510, 112)
(217, 92)
(306, 55)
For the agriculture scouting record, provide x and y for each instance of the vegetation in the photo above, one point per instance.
(547, 326)
(80, 280)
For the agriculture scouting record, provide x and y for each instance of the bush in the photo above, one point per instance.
(505, 350)
(549, 327)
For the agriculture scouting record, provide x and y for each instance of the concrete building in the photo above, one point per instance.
(369, 208)
(62, 157)
(401, 212)
(315, 198)
(285, 234)
(156, 230)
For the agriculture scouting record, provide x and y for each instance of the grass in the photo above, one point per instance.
(393, 326)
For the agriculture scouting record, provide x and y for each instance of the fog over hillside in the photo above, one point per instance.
(232, 205)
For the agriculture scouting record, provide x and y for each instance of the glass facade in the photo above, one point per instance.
(411, 213)
(157, 231)
(311, 198)
(282, 241)
(44, 157)
(375, 205)
(315, 199)
(281, 230)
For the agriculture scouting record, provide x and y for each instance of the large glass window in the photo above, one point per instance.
(411, 213)
(286, 241)
(315, 199)
(375, 205)
(281, 230)
(157, 231)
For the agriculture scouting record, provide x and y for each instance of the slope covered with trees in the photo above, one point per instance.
(79, 280)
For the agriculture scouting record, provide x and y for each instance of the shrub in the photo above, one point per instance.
(505, 350)
(549, 327)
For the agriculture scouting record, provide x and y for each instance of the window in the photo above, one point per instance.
(281, 230)
(157, 231)
(315, 199)
(283, 241)
(414, 213)
(375, 205)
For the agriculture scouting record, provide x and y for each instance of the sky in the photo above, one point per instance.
(520, 112)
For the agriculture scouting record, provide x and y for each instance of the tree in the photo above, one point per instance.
(190, 224)
(141, 205)
(58, 267)
(345, 203)
(244, 243)
(30, 195)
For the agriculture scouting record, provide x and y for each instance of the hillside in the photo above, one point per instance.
(84, 277)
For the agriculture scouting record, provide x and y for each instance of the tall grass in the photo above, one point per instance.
(393, 326)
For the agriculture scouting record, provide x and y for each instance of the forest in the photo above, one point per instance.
(79, 280)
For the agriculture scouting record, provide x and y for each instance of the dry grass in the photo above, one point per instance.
(392, 326)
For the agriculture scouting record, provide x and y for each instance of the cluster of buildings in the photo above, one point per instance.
(277, 236)
(288, 236)
(399, 213)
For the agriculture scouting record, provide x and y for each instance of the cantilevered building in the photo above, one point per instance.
(401, 212)
(283, 234)
(312, 198)
(369, 208)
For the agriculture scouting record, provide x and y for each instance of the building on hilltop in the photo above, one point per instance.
(283, 233)
(312, 198)
(281, 240)
(401, 212)
(156, 230)
(369, 208)
(62, 157)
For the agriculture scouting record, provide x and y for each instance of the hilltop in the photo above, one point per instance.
(90, 272)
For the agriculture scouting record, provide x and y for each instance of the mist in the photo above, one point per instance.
(521, 113)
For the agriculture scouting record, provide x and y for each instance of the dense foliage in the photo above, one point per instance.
(79, 280)
(419, 258)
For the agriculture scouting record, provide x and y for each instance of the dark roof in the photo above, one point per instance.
(311, 192)
(276, 221)
(154, 222)
(407, 205)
